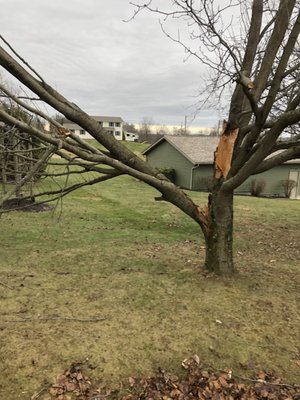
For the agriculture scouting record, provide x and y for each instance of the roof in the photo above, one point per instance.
(198, 149)
(98, 118)
(107, 119)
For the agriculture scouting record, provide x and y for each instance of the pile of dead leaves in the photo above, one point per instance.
(198, 383)
(73, 384)
(204, 384)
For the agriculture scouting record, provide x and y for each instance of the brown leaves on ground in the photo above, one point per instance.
(198, 383)
(72, 384)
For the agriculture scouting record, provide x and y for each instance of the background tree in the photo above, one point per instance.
(256, 56)
(161, 131)
(129, 127)
(181, 131)
(145, 128)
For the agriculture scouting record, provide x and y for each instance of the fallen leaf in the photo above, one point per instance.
(131, 381)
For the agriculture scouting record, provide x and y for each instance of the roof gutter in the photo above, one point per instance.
(192, 173)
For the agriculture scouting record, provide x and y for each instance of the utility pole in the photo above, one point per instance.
(185, 121)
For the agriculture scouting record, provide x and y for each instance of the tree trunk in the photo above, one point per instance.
(219, 254)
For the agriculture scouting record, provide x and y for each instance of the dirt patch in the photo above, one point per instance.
(27, 205)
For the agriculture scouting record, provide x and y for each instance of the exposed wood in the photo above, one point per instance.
(223, 154)
(202, 213)
(64, 131)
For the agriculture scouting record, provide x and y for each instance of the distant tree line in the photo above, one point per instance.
(149, 132)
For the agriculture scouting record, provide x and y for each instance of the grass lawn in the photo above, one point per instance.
(112, 252)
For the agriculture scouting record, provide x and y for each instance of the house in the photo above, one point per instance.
(191, 158)
(131, 136)
(113, 125)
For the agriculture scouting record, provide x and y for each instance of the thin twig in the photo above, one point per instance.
(57, 319)
(267, 382)
(262, 381)
(4, 284)
(37, 395)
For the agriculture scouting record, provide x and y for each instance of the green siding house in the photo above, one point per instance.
(192, 160)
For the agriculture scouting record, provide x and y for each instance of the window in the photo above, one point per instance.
(117, 133)
(72, 130)
(111, 132)
(117, 123)
(81, 132)
(111, 124)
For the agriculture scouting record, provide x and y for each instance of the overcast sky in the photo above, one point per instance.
(106, 66)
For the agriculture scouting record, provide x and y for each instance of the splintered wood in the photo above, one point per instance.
(202, 213)
(223, 154)
(63, 131)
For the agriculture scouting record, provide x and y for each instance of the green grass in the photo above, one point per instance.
(111, 251)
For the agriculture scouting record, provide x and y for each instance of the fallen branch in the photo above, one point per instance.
(57, 319)
(262, 381)
(35, 168)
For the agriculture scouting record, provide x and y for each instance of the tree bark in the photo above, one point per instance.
(219, 238)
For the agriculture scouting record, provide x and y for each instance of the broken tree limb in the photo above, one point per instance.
(35, 168)
(246, 81)
(223, 154)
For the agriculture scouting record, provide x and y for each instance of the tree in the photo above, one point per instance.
(129, 127)
(181, 131)
(145, 128)
(259, 64)
(161, 131)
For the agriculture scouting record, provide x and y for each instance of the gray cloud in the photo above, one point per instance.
(105, 65)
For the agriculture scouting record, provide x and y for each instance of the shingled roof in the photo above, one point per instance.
(97, 118)
(198, 149)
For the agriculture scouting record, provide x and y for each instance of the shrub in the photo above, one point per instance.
(257, 187)
(169, 173)
(288, 185)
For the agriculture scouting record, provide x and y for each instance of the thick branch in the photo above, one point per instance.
(283, 62)
(73, 113)
(61, 131)
(169, 191)
(263, 149)
(278, 159)
(280, 28)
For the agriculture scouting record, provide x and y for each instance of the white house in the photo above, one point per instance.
(113, 125)
(131, 137)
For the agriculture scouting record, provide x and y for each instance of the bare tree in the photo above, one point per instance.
(145, 128)
(181, 131)
(261, 57)
(257, 57)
